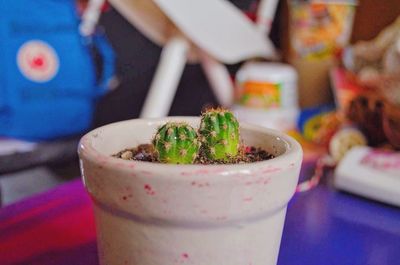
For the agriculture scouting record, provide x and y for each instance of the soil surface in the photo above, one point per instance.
(145, 152)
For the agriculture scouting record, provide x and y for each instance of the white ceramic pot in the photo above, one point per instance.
(160, 214)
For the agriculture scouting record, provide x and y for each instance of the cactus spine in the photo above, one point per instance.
(176, 143)
(219, 132)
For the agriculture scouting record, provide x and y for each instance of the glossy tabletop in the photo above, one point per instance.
(323, 227)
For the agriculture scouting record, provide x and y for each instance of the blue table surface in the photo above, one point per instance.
(328, 227)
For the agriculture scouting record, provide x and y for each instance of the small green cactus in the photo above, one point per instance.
(219, 132)
(176, 143)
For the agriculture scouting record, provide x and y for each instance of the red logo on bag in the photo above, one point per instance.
(37, 61)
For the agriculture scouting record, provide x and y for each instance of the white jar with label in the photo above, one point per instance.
(266, 94)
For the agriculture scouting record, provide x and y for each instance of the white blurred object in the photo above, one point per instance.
(218, 28)
(371, 173)
(212, 27)
(90, 17)
(282, 119)
(344, 140)
(267, 95)
(391, 59)
(12, 146)
(265, 15)
(282, 75)
(166, 79)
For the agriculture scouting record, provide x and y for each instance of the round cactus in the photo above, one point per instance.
(219, 132)
(176, 143)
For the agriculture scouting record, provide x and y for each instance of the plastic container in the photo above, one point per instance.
(266, 94)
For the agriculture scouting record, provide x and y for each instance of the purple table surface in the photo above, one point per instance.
(323, 227)
(327, 227)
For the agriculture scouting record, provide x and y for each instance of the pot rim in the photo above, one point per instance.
(289, 158)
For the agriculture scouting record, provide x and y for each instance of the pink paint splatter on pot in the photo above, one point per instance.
(200, 184)
(147, 173)
(270, 170)
(149, 190)
(126, 197)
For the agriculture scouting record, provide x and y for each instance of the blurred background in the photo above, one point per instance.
(329, 64)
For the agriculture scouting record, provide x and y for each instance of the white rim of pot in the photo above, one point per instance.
(289, 158)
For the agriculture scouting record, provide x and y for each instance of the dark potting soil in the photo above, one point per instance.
(145, 152)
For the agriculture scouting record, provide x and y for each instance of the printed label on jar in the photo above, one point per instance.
(262, 95)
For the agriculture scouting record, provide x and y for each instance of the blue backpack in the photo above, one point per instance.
(48, 77)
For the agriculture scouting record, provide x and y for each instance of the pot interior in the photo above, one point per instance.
(112, 138)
